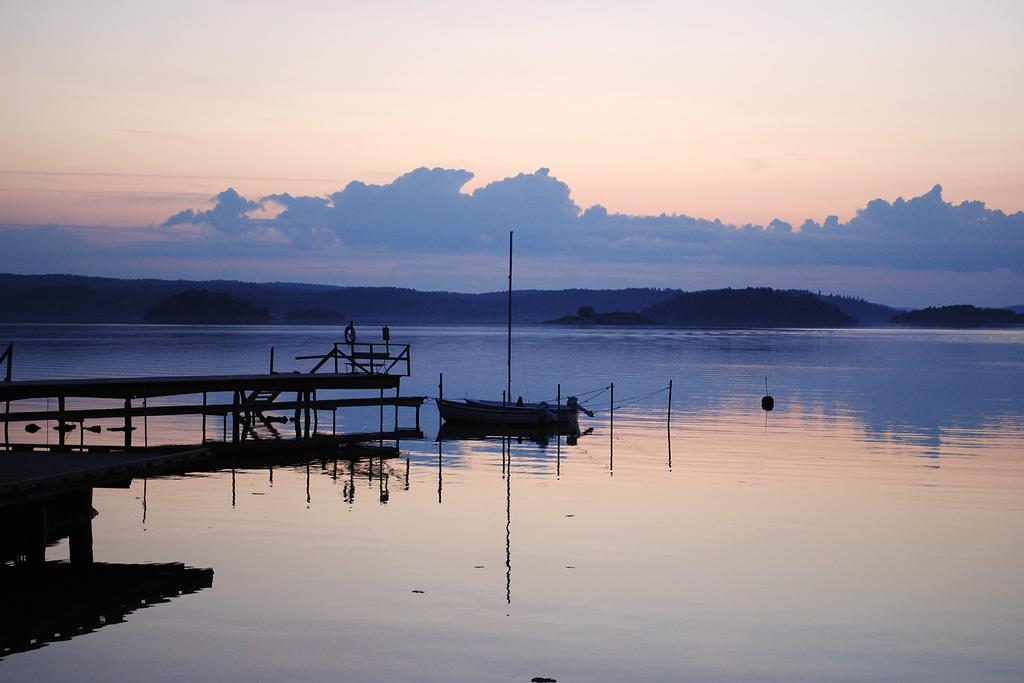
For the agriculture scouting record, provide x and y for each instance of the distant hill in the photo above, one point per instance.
(1017, 309)
(79, 299)
(585, 315)
(960, 316)
(314, 316)
(200, 307)
(751, 307)
(865, 312)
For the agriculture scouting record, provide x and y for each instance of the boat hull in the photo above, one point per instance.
(490, 413)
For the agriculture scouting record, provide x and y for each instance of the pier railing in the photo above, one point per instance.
(382, 358)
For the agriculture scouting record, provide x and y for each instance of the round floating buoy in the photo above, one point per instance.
(767, 402)
(32, 428)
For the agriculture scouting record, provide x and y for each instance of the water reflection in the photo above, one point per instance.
(47, 601)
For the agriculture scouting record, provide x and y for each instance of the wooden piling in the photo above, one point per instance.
(60, 420)
(128, 424)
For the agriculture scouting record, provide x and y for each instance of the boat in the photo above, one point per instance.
(468, 411)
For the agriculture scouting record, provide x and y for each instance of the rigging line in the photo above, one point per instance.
(632, 400)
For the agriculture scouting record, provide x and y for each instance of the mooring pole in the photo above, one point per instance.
(204, 417)
(670, 401)
(145, 422)
(271, 360)
(440, 397)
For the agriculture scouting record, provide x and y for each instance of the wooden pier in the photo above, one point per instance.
(256, 400)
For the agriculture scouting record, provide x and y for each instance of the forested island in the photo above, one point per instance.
(585, 315)
(960, 316)
(200, 307)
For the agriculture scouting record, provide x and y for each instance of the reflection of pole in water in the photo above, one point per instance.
(232, 487)
(308, 497)
(407, 474)
(144, 482)
(508, 525)
(558, 435)
(669, 429)
(439, 473)
(611, 431)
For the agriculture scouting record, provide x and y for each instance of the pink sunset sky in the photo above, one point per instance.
(118, 116)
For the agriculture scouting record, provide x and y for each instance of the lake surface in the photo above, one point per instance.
(870, 528)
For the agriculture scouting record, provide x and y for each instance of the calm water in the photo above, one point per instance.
(869, 530)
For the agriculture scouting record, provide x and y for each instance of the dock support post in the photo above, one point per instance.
(397, 391)
(297, 418)
(128, 423)
(306, 418)
(80, 538)
(204, 417)
(234, 417)
(60, 420)
(271, 360)
(558, 435)
(316, 414)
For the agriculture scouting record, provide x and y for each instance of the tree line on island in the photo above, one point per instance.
(78, 299)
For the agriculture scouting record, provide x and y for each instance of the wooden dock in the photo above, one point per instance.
(356, 367)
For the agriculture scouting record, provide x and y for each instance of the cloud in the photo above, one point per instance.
(426, 216)
(427, 210)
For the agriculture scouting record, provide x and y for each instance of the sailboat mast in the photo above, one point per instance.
(509, 384)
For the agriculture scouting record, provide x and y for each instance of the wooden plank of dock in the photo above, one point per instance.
(151, 387)
(27, 475)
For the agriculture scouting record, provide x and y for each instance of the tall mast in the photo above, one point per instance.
(509, 385)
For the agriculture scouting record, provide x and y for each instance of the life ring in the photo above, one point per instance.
(350, 334)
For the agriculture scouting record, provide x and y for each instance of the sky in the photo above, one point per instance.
(117, 117)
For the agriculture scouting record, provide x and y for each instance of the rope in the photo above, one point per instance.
(632, 400)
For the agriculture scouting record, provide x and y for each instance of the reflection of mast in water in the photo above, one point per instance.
(144, 481)
(508, 521)
(309, 499)
(232, 487)
(406, 474)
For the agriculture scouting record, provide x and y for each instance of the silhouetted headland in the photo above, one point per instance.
(960, 316)
(201, 307)
(750, 307)
(585, 315)
(314, 316)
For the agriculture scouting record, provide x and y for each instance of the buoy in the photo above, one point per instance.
(767, 402)
(32, 428)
